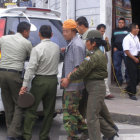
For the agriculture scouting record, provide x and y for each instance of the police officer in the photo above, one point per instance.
(94, 70)
(14, 50)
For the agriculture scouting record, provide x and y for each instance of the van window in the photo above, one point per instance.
(56, 29)
(12, 23)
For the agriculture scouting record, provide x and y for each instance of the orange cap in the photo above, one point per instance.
(69, 24)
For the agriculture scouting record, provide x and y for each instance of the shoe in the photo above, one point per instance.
(116, 128)
(11, 138)
(84, 136)
(133, 97)
(112, 138)
(110, 96)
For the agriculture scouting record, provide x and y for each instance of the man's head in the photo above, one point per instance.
(45, 31)
(82, 25)
(69, 29)
(101, 28)
(121, 23)
(134, 28)
(24, 29)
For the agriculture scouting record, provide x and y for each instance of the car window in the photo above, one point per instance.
(56, 29)
(11, 25)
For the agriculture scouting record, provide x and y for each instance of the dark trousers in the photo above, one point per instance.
(134, 74)
(118, 56)
(11, 83)
(83, 103)
(44, 89)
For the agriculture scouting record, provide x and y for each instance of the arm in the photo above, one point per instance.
(84, 69)
(32, 67)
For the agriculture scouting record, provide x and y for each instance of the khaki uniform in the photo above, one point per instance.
(43, 64)
(14, 51)
(94, 70)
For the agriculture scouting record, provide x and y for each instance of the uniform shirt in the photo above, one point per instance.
(84, 36)
(44, 60)
(132, 44)
(74, 55)
(14, 51)
(94, 67)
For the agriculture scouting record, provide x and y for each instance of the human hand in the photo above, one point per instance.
(136, 60)
(65, 82)
(63, 50)
(107, 40)
(115, 49)
(22, 90)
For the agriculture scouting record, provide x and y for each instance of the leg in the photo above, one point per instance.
(106, 123)
(117, 58)
(132, 72)
(38, 91)
(107, 87)
(126, 71)
(96, 91)
(48, 106)
(83, 103)
(71, 115)
(7, 100)
(15, 83)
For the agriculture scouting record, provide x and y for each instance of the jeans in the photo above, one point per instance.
(118, 56)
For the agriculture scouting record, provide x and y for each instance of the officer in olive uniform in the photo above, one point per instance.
(94, 70)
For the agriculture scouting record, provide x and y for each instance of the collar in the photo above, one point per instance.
(76, 36)
(19, 34)
(133, 35)
(84, 35)
(44, 40)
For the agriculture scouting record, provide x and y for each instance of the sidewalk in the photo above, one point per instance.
(123, 109)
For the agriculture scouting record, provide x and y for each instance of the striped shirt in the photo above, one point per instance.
(74, 55)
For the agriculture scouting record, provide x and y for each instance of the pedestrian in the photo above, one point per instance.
(93, 70)
(14, 51)
(131, 47)
(74, 55)
(102, 28)
(118, 55)
(83, 29)
(43, 64)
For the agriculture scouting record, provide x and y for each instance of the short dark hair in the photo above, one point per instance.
(46, 31)
(82, 21)
(122, 19)
(99, 41)
(101, 26)
(132, 26)
(22, 26)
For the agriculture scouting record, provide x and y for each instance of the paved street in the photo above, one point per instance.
(127, 132)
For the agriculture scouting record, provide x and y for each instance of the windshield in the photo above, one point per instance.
(56, 25)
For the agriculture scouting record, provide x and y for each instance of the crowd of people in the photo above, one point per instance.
(84, 78)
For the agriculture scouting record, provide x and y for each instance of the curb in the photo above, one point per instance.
(127, 119)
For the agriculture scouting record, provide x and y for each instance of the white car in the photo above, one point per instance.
(10, 18)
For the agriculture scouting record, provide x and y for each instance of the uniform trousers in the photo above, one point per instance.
(44, 89)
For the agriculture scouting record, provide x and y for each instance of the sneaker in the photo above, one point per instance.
(110, 96)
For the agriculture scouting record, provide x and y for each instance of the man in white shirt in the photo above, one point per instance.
(131, 47)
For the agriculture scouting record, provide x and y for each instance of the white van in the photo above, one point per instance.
(10, 18)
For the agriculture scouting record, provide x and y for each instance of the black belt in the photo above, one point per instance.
(47, 75)
(10, 70)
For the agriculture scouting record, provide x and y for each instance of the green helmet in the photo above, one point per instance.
(94, 34)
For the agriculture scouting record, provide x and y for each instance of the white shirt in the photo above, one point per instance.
(132, 44)
(44, 60)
